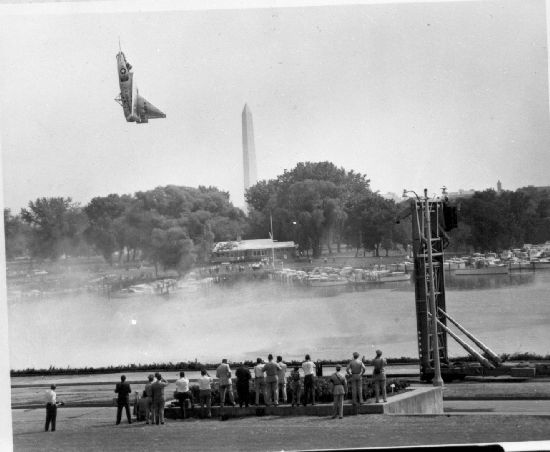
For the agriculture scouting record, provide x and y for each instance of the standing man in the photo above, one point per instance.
(148, 396)
(296, 386)
(158, 398)
(259, 381)
(309, 372)
(223, 372)
(183, 393)
(318, 368)
(379, 376)
(123, 400)
(271, 370)
(51, 407)
(205, 392)
(243, 385)
(282, 378)
(339, 389)
(356, 369)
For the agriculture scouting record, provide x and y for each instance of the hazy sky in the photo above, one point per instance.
(414, 95)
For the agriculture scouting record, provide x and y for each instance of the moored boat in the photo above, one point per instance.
(493, 270)
(541, 264)
(319, 282)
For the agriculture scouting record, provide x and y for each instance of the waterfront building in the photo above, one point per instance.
(256, 250)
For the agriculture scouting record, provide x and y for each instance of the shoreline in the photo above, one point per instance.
(519, 358)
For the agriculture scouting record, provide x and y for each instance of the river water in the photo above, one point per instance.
(508, 313)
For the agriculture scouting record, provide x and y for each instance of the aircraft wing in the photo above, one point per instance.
(150, 111)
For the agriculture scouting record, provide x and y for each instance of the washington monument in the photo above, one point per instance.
(249, 152)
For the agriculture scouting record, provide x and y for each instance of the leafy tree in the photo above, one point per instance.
(17, 235)
(307, 205)
(171, 247)
(102, 213)
(56, 225)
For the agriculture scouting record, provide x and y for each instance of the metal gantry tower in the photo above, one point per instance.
(431, 219)
(428, 243)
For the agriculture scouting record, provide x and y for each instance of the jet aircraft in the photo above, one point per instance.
(136, 108)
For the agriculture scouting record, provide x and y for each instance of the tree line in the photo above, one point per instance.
(170, 226)
(317, 205)
(497, 221)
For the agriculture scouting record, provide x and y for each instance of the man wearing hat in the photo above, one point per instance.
(339, 390)
(379, 376)
(51, 408)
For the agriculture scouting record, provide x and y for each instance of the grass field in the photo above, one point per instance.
(86, 429)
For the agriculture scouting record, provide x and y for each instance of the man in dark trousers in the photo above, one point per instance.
(243, 385)
(379, 376)
(51, 408)
(123, 401)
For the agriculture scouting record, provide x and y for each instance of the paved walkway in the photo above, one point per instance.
(538, 407)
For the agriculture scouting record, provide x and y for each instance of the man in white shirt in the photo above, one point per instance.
(282, 378)
(309, 372)
(51, 408)
(259, 381)
(182, 393)
(205, 392)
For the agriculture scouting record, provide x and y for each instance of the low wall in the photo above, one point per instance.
(415, 400)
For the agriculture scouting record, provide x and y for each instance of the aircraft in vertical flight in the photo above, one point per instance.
(136, 108)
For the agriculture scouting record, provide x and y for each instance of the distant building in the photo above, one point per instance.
(532, 188)
(461, 193)
(252, 250)
(499, 186)
(249, 150)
